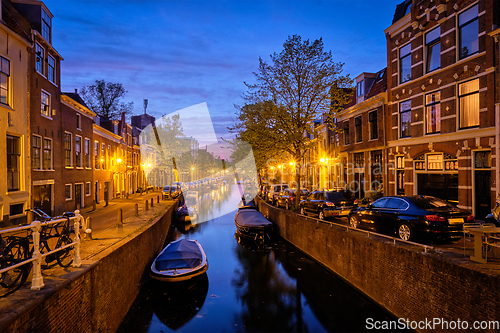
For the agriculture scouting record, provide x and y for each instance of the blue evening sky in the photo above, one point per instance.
(181, 53)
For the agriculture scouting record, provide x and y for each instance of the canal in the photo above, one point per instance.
(248, 289)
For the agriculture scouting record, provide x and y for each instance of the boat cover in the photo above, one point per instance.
(181, 254)
(251, 218)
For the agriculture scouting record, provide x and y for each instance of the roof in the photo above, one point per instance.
(401, 10)
(76, 98)
(379, 85)
(15, 21)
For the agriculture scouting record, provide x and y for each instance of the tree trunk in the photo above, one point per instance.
(298, 171)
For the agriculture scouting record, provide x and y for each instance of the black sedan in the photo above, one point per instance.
(328, 204)
(411, 217)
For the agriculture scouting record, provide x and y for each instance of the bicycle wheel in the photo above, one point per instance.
(14, 253)
(65, 257)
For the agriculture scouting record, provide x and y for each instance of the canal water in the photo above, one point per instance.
(248, 289)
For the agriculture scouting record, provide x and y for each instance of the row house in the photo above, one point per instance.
(15, 45)
(441, 101)
(362, 142)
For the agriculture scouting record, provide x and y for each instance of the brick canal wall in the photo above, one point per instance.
(403, 279)
(96, 297)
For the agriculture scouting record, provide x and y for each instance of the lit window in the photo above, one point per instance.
(468, 31)
(46, 26)
(40, 55)
(4, 80)
(359, 89)
(45, 107)
(405, 63)
(67, 150)
(358, 129)
(468, 96)
(13, 163)
(404, 118)
(433, 112)
(51, 73)
(433, 46)
(103, 156)
(47, 154)
(372, 125)
(96, 155)
(36, 152)
(87, 153)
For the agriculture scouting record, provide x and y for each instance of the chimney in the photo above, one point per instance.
(76, 90)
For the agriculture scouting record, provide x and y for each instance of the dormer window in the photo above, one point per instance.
(359, 89)
(46, 26)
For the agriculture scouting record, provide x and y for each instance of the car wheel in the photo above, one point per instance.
(302, 211)
(286, 205)
(321, 215)
(353, 221)
(405, 232)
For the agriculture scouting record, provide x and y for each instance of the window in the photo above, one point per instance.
(45, 107)
(87, 188)
(405, 63)
(4, 80)
(87, 153)
(359, 89)
(40, 55)
(68, 192)
(400, 175)
(347, 138)
(468, 96)
(358, 129)
(404, 118)
(51, 73)
(103, 156)
(78, 121)
(36, 152)
(468, 32)
(433, 113)
(96, 155)
(372, 125)
(13, 163)
(376, 170)
(67, 150)
(16, 209)
(433, 48)
(359, 160)
(46, 26)
(47, 154)
(78, 151)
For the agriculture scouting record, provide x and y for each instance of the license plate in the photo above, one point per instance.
(458, 220)
(345, 212)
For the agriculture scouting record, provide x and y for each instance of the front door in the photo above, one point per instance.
(42, 198)
(78, 196)
(482, 191)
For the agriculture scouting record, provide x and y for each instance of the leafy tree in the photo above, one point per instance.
(104, 99)
(300, 85)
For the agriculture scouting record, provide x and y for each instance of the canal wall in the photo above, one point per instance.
(96, 297)
(409, 283)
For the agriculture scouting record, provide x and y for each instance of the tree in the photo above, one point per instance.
(301, 84)
(104, 97)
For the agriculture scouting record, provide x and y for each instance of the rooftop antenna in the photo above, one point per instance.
(145, 105)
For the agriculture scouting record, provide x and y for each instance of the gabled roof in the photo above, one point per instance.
(15, 21)
(379, 85)
(401, 10)
(76, 98)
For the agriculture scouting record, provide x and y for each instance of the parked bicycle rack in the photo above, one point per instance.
(36, 227)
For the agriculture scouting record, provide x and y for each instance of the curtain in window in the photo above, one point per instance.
(469, 104)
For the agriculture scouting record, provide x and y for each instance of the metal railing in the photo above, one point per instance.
(426, 248)
(36, 259)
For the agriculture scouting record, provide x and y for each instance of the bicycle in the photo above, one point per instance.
(13, 250)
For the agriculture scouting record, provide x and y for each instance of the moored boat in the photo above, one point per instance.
(180, 260)
(252, 224)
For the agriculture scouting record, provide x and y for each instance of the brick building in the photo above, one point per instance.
(441, 101)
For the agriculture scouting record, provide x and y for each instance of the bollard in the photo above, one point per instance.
(147, 205)
(158, 199)
(136, 209)
(88, 228)
(152, 202)
(120, 216)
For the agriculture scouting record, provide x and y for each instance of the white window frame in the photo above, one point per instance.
(70, 149)
(70, 192)
(51, 77)
(78, 121)
(40, 152)
(48, 105)
(88, 187)
(87, 155)
(4, 62)
(78, 158)
(51, 167)
(39, 59)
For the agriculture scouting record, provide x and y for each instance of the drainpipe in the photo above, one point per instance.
(496, 35)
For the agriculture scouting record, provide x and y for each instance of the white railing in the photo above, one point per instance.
(369, 233)
(36, 227)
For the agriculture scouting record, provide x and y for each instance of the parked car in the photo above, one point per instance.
(287, 196)
(328, 204)
(262, 191)
(494, 216)
(274, 191)
(171, 191)
(411, 217)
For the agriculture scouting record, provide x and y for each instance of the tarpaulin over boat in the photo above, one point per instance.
(181, 254)
(251, 218)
